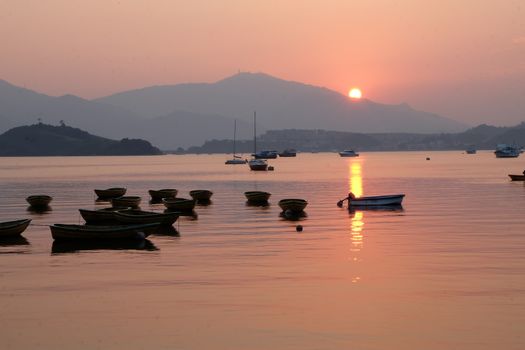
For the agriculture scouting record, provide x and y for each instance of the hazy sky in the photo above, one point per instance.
(464, 59)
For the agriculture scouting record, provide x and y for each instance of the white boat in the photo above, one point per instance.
(507, 151)
(392, 199)
(256, 164)
(348, 153)
(236, 159)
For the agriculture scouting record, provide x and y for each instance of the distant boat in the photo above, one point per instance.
(265, 155)
(393, 199)
(94, 232)
(257, 196)
(201, 195)
(182, 204)
(109, 193)
(289, 152)
(507, 151)
(348, 153)
(471, 151)
(39, 201)
(293, 204)
(256, 164)
(517, 177)
(158, 195)
(13, 228)
(236, 159)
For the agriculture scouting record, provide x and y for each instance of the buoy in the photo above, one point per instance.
(270, 168)
(299, 228)
(428, 158)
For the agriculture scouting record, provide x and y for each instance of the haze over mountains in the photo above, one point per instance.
(189, 114)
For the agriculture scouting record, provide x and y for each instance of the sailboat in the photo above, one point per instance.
(236, 159)
(256, 164)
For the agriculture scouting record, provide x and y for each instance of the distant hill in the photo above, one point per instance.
(281, 104)
(480, 137)
(48, 140)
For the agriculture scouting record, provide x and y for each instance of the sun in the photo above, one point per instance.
(355, 93)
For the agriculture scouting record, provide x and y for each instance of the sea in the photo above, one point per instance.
(444, 271)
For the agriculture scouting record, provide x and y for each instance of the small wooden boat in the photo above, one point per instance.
(13, 228)
(100, 216)
(201, 195)
(182, 204)
(74, 246)
(134, 216)
(257, 196)
(158, 195)
(517, 177)
(293, 204)
(41, 200)
(126, 201)
(94, 232)
(393, 199)
(110, 193)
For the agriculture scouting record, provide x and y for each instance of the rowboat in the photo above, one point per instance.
(517, 177)
(110, 193)
(257, 196)
(73, 246)
(134, 216)
(41, 200)
(13, 228)
(158, 195)
(293, 204)
(393, 199)
(94, 232)
(100, 216)
(201, 195)
(126, 201)
(182, 204)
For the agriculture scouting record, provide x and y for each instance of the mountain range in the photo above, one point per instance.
(185, 115)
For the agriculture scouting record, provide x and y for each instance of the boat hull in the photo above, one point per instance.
(111, 193)
(39, 200)
(395, 199)
(93, 232)
(235, 161)
(145, 217)
(103, 216)
(158, 195)
(258, 165)
(517, 177)
(13, 228)
(257, 196)
(126, 201)
(293, 204)
(182, 204)
(201, 195)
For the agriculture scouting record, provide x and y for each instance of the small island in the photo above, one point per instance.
(49, 140)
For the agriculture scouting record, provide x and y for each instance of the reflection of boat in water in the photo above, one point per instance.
(13, 241)
(293, 215)
(76, 246)
(348, 153)
(393, 199)
(13, 228)
(388, 208)
(517, 177)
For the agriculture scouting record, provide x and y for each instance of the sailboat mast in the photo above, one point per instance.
(234, 132)
(254, 133)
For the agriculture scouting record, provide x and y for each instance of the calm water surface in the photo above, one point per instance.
(444, 272)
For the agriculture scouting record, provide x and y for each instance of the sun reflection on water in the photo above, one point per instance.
(355, 185)
(355, 179)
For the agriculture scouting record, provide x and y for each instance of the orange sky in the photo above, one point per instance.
(463, 59)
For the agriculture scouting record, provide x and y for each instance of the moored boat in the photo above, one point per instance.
(517, 177)
(134, 216)
(110, 193)
(257, 196)
(289, 152)
(126, 201)
(265, 155)
(41, 200)
(201, 195)
(471, 151)
(182, 204)
(94, 232)
(13, 228)
(507, 151)
(158, 195)
(236, 159)
(102, 216)
(293, 204)
(258, 164)
(348, 153)
(392, 199)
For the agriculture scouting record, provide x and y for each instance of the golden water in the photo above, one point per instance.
(444, 272)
